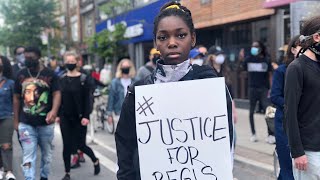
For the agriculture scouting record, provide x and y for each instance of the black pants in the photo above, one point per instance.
(257, 94)
(74, 138)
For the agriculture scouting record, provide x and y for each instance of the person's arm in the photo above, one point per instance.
(277, 96)
(126, 140)
(56, 100)
(16, 110)
(112, 92)
(292, 93)
(88, 102)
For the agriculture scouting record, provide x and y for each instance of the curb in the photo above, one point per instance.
(254, 163)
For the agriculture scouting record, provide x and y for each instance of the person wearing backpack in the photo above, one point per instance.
(148, 68)
(74, 113)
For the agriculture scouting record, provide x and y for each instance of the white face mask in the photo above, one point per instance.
(220, 59)
(198, 62)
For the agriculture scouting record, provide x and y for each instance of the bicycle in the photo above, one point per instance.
(101, 111)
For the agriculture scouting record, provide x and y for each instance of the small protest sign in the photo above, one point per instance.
(182, 131)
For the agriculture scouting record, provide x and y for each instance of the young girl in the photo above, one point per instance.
(6, 118)
(74, 112)
(174, 35)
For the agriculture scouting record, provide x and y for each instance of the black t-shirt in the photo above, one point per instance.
(258, 71)
(35, 95)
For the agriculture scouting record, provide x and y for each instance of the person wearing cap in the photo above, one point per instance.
(196, 57)
(148, 68)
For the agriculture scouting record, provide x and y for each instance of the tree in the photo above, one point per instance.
(25, 20)
(107, 44)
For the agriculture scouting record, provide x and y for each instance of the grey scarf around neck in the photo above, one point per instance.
(171, 73)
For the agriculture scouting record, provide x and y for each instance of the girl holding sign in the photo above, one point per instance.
(174, 36)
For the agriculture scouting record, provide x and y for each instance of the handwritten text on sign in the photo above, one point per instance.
(182, 131)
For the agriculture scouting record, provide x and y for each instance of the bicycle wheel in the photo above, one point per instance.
(109, 124)
(276, 166)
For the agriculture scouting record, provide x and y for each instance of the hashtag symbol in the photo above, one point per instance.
(145, 106)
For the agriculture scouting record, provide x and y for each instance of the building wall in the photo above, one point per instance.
(218, 12)
(302, 10)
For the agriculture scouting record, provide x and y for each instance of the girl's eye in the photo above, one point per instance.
(161, 37)
(183, 35)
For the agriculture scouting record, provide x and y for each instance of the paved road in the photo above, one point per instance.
(104, 148)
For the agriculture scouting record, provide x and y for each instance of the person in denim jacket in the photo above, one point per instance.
(118, 89)
(6, 120)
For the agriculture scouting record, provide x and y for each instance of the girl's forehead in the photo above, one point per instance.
(172, 22)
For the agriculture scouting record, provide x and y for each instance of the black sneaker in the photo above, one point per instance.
(97, 167)
(66, 177)
(42, 178)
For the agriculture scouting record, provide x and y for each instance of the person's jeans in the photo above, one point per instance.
(30, 138)
(313, 167)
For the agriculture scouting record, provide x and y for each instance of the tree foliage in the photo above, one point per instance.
(107, 44)
(24, 20)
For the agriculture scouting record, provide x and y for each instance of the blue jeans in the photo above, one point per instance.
(30, 138)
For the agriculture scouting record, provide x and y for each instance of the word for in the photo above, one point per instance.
(182, 130)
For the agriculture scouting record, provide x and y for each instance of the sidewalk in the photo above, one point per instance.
(259, 154)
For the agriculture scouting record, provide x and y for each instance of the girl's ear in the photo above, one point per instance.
(193, 40)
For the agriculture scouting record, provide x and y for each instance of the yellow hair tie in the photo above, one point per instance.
(173, 7)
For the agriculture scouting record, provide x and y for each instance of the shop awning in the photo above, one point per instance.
(277, 3)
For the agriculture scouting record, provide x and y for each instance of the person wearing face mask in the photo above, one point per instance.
(74, 113)
(277, 98)
(19, 60)
(6, 119)
(118, 89)
(196, 57)
(148, 68)
(36, 103)
(301, 104)
(259, 68)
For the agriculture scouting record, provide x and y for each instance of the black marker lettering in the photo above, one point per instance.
(208, 173)
(170, 157)
(171, 172)
(205, 127)
(186, 134)
(182, 174)
(192, 126)
(178, 153)
(170, 132)
(217, 129)
(194, 155)
(149, 137)
(155, 174)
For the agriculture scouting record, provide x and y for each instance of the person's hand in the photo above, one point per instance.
(51, 117)
(235, 117)
(84, 121)
(57, 120)
(301, 163)
(110, 119)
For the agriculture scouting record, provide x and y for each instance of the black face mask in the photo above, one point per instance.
(1, 68)
(125, 70)
(315, 48)
(71, 67)
(32, 63)
(155, 58)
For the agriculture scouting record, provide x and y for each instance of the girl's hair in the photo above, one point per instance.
(132, 71)
(226, 71)
(292, 44)
(310, 26)
(7, 68)
(263, 48)
(174, 8)
(71, 53)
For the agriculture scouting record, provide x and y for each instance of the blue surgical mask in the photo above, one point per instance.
(255, 51)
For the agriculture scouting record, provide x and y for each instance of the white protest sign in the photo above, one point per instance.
(182, 131)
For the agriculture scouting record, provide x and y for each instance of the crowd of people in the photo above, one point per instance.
(34, 96)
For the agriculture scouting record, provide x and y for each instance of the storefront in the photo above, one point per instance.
(139, 23)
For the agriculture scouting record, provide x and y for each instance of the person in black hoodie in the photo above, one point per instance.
(301, 104)
(74, 113)
(174, 35)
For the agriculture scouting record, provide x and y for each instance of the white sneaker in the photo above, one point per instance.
(271, 139)
(10, 176)
(253, 138)
(1, 174)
